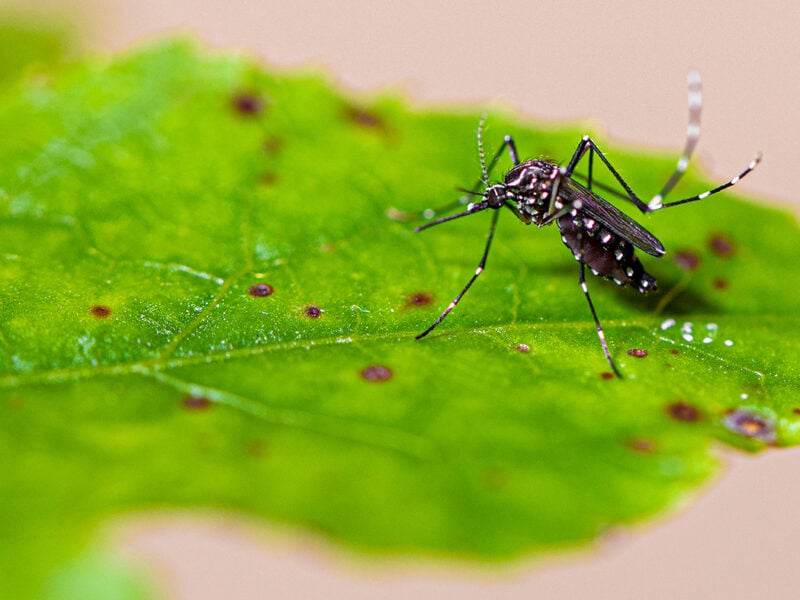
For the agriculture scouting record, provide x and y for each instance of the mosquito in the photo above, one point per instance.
(599, 235)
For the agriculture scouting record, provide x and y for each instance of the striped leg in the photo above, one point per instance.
(508, 142)
(587, 144)
(753, 164)
(600, 333)
(692, 135)
(475, 275)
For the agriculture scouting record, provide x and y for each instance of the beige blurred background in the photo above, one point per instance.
(622, 64)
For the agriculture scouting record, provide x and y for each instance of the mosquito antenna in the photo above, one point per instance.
(399, 215)
(480, 150)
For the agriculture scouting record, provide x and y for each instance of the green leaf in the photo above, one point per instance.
(26, 41)
(204, 303)
(95, 575)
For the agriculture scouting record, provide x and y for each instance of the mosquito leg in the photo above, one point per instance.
(600, 333)
(512, 149)
(478, 271)
(692, 135)
(587, 144)
(753, 164)
(596, 185)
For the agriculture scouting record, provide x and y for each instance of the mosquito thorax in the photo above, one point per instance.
(532, 183)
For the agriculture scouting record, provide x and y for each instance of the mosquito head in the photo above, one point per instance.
(495, 195)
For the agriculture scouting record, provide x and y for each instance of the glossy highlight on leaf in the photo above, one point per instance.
(196, 261)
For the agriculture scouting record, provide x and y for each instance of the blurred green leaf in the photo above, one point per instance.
(204, 303)
(95, 575)
(26, 40)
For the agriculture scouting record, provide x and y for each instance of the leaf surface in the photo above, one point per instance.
(205, 304)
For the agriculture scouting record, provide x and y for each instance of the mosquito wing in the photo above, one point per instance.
(611, 217)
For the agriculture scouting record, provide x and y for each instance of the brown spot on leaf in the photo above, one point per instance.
(100, 311)
(364, 118)
(637, 352)
(196, 403)
(313, 312)
(682, 411)
(687, 260)
(256, 448)
(269, 178)
(420, 299)
(260, 290)
(524, 348)
(272, 145)
(796, 411)
(643, 445)
(247, 103)
(376, 373)
(674, 351)
(721, 245)
(750, 425)
(606, 375)
(720, 283)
